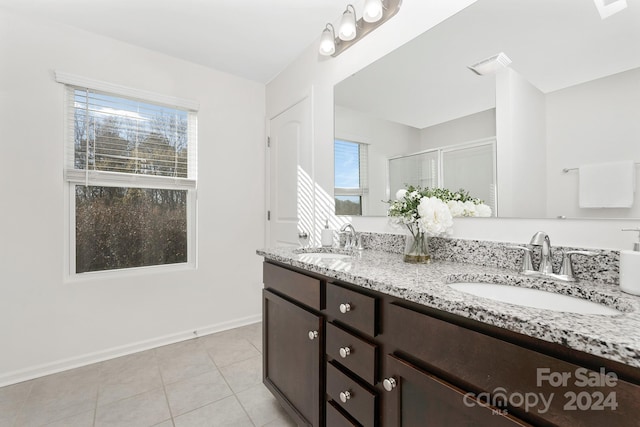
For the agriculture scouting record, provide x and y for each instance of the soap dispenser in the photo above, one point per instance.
(327, 235)
(630, 267)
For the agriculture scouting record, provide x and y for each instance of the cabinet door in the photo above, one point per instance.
(415, 398)
(293, 348)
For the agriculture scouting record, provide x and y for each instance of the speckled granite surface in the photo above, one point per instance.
(602, 268)
(612, 337)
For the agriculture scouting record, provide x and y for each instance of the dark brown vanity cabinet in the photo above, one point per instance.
(416, 398)
(293, 343)
(352, 355)
(542, 383)
(381, 361)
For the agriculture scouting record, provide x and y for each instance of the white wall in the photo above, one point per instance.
(594, 122)
(312, 73)
(521, 150)
(47, 324)
(386, 139)
(464, 129)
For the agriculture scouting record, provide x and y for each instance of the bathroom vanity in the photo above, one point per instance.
(370, 340)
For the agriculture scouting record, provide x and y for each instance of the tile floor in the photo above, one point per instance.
(215, 380)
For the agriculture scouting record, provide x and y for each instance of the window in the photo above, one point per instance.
(131, 176)
(350, 168)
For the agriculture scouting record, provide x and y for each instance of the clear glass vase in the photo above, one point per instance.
(416, 249)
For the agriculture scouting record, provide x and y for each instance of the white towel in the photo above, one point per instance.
(607, 185)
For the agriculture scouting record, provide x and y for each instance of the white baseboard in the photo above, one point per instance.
(99, 356)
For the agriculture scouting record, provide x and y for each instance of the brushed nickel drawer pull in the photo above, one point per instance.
(313, 335)
(389, 383)
(345, 308)
(344, 352)
(344, 396)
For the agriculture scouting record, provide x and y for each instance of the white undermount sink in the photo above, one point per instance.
(534, 298)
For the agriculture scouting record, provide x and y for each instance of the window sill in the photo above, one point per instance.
(129, 272)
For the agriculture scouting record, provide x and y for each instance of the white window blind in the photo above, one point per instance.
(114, 139)
(351, 168)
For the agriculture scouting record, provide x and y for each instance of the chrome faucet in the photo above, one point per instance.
(542, 239)
(545, 269)
(352, 241)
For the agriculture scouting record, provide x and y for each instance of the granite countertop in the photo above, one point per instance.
(613, 337)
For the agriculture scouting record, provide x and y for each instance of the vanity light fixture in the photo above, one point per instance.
(606, 8)
(372, 11)
(328, 41)
(491, 65)
(348, 24)
(351, 29)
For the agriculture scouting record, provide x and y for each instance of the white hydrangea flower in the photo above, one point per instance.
(435, 216)
(414, 195)
(456, 208)
(401, 194)
(483, 210)
(469, 208)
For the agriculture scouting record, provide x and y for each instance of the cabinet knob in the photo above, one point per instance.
(344, 352)
(345, 308)
(344, 396)
(313, 335)
(389, 383)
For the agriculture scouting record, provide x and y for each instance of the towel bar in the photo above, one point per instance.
(565, 170)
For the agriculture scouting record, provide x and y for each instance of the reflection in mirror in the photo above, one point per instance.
(470, 167)
(568, 99)
(351, 176)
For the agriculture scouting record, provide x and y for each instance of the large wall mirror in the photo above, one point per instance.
(570, 98)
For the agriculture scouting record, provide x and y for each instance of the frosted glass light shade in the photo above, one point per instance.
(327, 42)
(372, 11)
(347, 30)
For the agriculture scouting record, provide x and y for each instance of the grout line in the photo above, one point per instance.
(24, 402)
(164, 387)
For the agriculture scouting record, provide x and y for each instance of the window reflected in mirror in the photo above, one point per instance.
(350, 166)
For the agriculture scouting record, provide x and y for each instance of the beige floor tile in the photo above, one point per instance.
(243, 375)
(178, 348)
(168, 423)
(253, 334)
(184, 364)
(224, 413)
(226, 350)
(260, 404)
(11, 400)
(195, 392)
(128, 376)
(128, 384)
(60, 396)
(281, 422)
(84, 419)
(144, 409)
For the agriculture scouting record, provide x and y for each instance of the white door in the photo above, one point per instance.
(290, 179)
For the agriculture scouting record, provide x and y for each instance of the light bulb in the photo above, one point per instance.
(327, 42)
(372, 10)
(348, 25)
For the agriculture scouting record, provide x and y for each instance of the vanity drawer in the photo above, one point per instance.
(352, 352)
(352, 308)
(304, 289)
(360, 404)
(475, 361)
(335, 418)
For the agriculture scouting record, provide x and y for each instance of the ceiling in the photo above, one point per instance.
(552, 43)
(254, 39)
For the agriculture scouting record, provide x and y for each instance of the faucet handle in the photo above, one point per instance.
(527, 265)
(567, 266)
